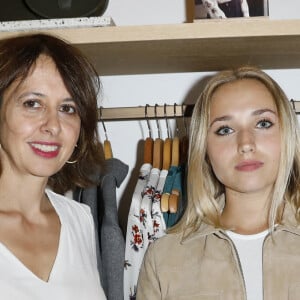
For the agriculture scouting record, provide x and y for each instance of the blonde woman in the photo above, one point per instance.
(239, 237)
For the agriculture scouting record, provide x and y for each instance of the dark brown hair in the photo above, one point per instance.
(18, 55)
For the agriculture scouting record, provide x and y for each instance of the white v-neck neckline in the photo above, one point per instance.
(58, 253)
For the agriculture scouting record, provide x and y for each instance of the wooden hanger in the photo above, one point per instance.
(174, 201)
(174, 196)
(164, 202)
(167, 156)
(148, 150)
(107, 149)
(169, 201)
(106, 144)
(167, 153)
(158, 147)
(158, 153)
(148, 144)
(175, 151)
(175, 143)
(184, 142)
(167, 148)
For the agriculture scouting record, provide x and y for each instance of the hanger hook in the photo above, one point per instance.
(147, 120)
(293, 104)
(157, 122)
(184, 120)
(103, 125)
(175, 117)
(167, 121)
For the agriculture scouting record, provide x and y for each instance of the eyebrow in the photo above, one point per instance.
(42, 95)
(262, 111)
(31, 93)
(254, 113)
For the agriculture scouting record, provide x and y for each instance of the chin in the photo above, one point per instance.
(44, 172)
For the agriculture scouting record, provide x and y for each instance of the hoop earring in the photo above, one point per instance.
(72, 161)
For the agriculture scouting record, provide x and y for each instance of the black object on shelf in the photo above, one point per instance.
(67, 8)
(18, 10)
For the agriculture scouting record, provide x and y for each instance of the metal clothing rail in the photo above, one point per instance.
(144, 112)
(155, 112)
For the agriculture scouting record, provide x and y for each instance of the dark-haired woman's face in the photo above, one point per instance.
(244, 141)
(39, 124)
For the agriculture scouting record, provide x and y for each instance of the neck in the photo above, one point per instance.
(24, 194)
(246, 214)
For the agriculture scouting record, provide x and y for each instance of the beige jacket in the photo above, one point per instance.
(206, 266)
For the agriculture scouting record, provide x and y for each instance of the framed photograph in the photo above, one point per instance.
(216, 9)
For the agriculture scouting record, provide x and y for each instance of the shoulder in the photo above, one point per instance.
(159, 250)
(68, 208)
(171, 248)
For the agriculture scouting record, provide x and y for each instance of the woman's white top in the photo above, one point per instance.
(74, 275)
(249, 248)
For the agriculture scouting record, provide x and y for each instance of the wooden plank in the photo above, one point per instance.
(207, 45)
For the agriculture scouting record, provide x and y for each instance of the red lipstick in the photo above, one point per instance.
(45, 149)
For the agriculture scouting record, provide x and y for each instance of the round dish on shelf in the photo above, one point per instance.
(67, 8)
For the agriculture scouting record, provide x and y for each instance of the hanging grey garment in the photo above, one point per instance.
(103, 203)
(90, 196)
(112, 242)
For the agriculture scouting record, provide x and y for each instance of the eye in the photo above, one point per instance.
(224, 130)
(68, 108)
(32, 104)
(264, 124)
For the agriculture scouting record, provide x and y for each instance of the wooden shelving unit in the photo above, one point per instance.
(207, 45)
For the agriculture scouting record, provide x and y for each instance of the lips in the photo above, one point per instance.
(248, 166)
(47, 150)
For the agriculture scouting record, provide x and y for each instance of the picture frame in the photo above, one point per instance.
(214, 9)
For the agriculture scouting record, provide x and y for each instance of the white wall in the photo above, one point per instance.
(287, 9)
(120, 91)
(143, 12)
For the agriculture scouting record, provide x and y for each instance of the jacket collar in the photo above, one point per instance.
(289, 223)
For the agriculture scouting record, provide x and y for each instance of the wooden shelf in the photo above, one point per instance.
(206, 45)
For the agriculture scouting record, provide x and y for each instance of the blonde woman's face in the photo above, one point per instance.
(243, 143)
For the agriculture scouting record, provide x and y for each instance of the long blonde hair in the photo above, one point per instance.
(203, 189)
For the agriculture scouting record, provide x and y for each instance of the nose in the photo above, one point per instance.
(51, 123)
(246, 142)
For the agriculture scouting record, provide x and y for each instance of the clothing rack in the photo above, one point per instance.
(144, 112)
(156, 111)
